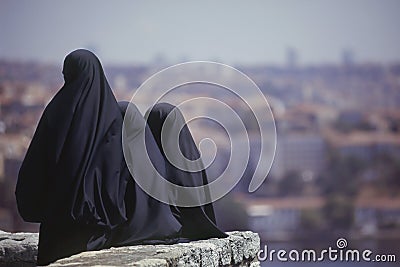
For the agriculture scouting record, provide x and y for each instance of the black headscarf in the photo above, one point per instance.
(70, 177)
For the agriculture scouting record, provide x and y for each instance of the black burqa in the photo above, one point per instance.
(70, 179)
(197, 222)
(148, 220)
(74, 179)
(166, 121)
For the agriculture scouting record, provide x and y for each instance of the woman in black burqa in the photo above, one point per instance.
(74, 180)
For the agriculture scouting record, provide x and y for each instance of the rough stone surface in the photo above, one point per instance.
(239, 249)
(18, 249)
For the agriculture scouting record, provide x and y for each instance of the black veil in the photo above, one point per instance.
(177, 223)
(70, 178)
(149, 220)
(166, 120)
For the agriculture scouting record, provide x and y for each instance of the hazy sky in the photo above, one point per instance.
(225, 31)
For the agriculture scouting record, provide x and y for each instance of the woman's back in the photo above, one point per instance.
(74, 179)
(70, 177)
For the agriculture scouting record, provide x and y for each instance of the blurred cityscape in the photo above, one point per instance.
(337, 163)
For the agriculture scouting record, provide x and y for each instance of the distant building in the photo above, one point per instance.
(351, 117)
(373, 214)
(348, 57)
(300, 152)
(291, 57)
(282, 218)
(279, 218)
(365, 145)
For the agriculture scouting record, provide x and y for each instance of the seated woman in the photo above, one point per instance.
(197, 222)
(74, 180)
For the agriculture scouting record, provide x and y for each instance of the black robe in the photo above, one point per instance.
(74, 180)
(148, 220)
(70, 179)
(198, 222)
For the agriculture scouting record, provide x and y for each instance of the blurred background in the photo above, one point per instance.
(330, 71)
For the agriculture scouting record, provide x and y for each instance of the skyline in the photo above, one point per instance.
(231, 32)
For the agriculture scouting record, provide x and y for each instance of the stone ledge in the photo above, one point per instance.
(239, 249)
(18, 249)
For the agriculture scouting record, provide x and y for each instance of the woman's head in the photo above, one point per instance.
(79, 62)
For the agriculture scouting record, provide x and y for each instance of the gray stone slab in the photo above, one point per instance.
(239, 249)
